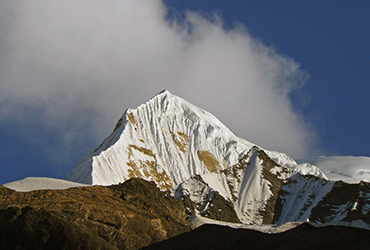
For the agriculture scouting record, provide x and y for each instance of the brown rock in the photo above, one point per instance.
(126, 216)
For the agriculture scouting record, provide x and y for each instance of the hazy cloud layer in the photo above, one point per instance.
(68, 70)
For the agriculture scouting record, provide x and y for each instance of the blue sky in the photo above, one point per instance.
(48, 126)
(330, 40)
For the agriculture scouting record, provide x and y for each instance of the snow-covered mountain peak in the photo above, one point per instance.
(167, 140)
(189, 152)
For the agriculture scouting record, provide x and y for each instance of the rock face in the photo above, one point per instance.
(30, 228)
(126, 216)
(345, 202)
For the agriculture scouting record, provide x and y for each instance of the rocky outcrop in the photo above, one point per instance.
(31, 228)
(345, 202)
(125, 216)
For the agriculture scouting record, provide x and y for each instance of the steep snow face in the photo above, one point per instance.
(299, 195)
(254, 191)
(349, 169)
(166, 140)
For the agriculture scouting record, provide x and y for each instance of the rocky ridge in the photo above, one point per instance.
(126, 216)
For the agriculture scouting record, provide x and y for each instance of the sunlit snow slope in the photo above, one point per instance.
(40, 183)
(166, 140)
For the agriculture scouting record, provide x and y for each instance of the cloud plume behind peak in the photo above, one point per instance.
(73, 67)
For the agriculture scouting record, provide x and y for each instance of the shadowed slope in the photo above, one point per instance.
(302, 237)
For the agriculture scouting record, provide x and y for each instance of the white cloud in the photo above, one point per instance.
(73, 67)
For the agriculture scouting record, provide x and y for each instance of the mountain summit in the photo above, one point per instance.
(190, 153)
(166, 140)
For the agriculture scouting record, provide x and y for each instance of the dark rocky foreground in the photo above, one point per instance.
(136, 215)
(302, 237)
(127, 216)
